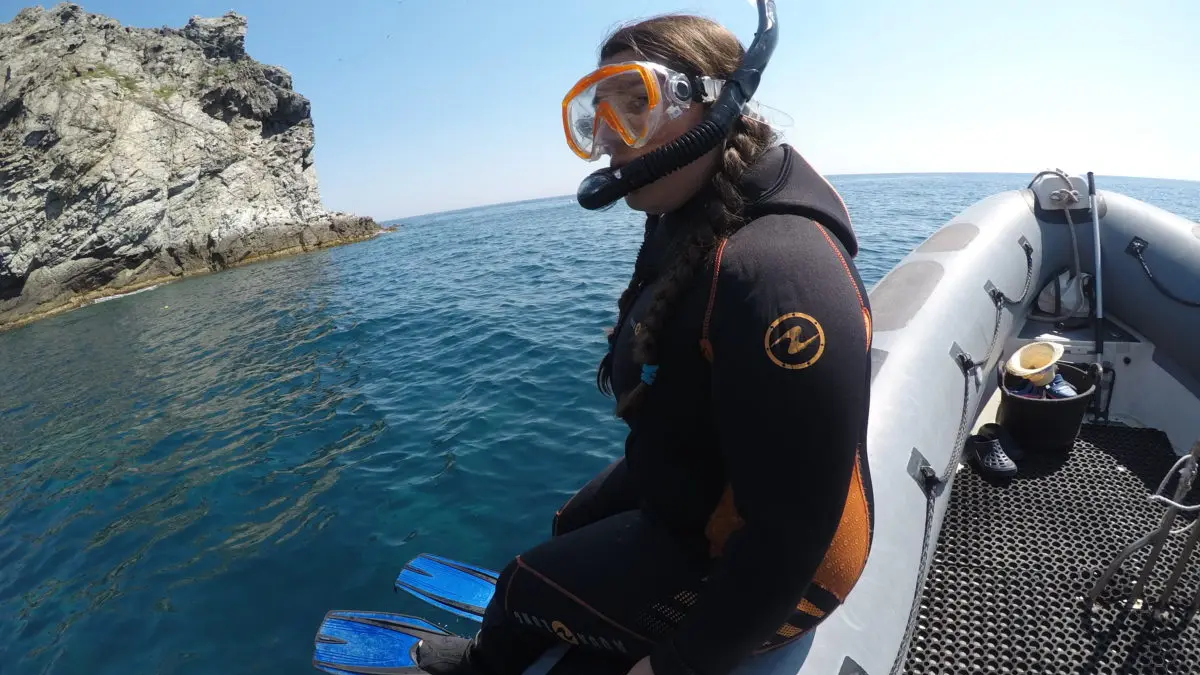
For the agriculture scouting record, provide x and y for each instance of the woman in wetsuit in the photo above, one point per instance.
(740, 515)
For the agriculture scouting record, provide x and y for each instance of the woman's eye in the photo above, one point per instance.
(636, 104)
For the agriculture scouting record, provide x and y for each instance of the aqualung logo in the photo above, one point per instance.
(794, 341)
(560, 630)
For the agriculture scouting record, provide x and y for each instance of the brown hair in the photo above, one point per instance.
(696, 46)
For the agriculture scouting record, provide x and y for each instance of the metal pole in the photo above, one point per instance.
(1097, 276)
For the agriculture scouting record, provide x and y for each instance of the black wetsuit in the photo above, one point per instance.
(740, 515)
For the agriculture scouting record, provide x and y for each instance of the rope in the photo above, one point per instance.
(1183, 530)
(1071, 196)
(1186, 466)
(1137, 252)
(932, 480)
(1170, 502)
(1185, 475)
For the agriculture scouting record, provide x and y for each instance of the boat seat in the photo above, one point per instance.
(1040, 330)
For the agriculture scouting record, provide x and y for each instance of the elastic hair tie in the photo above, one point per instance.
(648, 373)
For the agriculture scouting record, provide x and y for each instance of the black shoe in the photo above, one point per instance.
(445, 655)
(1010, 446)
(989, 458)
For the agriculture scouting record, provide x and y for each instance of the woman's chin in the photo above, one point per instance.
(638, 200)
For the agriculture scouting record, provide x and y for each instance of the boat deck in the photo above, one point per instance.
(1015, 558)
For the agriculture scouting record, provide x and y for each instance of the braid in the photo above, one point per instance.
(743, 147)
(693, 45)
(725, 215)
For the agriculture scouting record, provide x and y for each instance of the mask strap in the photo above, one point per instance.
(706, 89)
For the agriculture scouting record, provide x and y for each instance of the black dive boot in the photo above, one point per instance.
(446, 655)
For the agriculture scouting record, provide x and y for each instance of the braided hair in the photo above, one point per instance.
(696, 46)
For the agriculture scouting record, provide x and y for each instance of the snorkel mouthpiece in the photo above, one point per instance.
(607, 185)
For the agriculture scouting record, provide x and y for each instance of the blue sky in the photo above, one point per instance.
(428, 105)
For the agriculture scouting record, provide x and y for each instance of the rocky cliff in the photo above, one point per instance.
(129, 156)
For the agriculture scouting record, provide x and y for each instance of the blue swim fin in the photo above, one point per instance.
(370, 643)
(456, 587)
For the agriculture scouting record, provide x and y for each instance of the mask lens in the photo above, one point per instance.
(581, 121)
(627, 101)
(616, 107)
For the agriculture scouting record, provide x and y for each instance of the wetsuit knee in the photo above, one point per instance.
(608, 493)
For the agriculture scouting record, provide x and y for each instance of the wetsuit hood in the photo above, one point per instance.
(781, 181)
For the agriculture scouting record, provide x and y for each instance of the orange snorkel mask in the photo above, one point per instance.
(587, 112)
(628, 102)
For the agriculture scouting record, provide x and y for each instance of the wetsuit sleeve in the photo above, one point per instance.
(790, 380)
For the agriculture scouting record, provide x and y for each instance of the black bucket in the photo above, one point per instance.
(1051, 424)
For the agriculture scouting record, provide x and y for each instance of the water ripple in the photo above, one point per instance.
(201, 471)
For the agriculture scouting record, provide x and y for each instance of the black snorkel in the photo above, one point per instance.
(607, 185)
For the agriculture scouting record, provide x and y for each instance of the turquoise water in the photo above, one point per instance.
(190, 477)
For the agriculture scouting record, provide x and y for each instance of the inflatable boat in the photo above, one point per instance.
(1079, 563)
(1077, 559)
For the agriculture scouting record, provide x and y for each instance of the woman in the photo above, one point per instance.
(740, 515)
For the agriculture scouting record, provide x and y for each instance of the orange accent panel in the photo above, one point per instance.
(811, 609)
(787, 631)
(847, 554)
(723, 522)
(867, 323)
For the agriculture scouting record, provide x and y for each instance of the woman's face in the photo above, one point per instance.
(672, 191)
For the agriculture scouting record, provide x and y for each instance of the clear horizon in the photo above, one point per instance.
(1101, 178)
(422, 107)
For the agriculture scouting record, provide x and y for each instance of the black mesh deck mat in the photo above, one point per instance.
(1015, 559)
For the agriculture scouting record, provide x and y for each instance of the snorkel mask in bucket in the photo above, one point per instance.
(628, 102)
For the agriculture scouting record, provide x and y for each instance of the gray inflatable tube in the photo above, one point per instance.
(945, 318)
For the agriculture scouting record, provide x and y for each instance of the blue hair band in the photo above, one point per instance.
(648, 373)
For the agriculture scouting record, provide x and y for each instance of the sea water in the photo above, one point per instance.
(191, 477)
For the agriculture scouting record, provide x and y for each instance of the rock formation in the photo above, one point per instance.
(129, 156)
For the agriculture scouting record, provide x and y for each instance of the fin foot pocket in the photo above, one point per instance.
(353, 642)
(445, 655)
